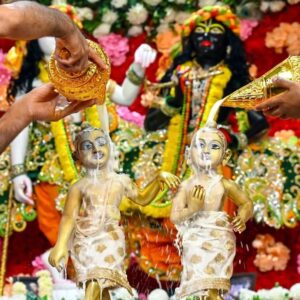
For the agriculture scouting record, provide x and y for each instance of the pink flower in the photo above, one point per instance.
(116, 47)
(130, 116)
(38, 265)
(247, 26)
(5, 73)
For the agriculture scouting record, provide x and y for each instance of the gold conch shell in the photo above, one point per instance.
(263, 88)
(81, 86)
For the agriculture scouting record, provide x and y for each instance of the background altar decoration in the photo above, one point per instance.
(270, 31)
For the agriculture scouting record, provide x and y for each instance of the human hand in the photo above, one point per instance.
(238, 224)
(285, 105)
(198, 194)
(23, 189)
(58, 257)
(41, 104)
(144, 56)
(79, 52)
(168, 179)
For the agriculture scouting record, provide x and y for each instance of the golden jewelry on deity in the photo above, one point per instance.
(133, 77)
(81, 86)
(17, 170)
(263, 88)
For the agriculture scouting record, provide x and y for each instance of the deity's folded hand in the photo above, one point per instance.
(198, 195)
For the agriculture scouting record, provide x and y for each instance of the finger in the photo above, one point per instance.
(74, 107)
(197, 193)
(194, 191)
(28, 187)
(283, 83)
(277, 112)
(162, 185)
(202, 194)
(93, 55)
(269, 104)
(26, 199)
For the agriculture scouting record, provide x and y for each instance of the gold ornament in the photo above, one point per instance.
(263, 88)
(81, 86)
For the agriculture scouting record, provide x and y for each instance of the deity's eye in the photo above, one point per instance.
(215, 146)
(86, 145)
(199, 29)
(101, 141)
(216, 29)
(200, 144)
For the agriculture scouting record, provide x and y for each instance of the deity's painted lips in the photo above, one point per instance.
(206, 43)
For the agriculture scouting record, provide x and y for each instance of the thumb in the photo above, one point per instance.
(283, 83)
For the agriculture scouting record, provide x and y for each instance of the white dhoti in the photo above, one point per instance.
(207, 246)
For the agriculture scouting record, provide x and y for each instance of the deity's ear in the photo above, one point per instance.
(227, 156)
(188, 156)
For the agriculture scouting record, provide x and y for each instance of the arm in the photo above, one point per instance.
(39, 104)
(71, 210)
(180, 210)
(26, 20)
(244, 203)
(145, 196)
(128, 92)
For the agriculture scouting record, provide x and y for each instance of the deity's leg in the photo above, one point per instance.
(106, 295)
(214, 295)
(92, 291)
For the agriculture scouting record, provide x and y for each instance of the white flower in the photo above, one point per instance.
(264, 294)
(92, 1)
(273, 6)
(295, 291)
(135, 30)
(279, 293)
(158, 294)
(246, 294)
(277, 6)
(58, 2)
(101, 30)
(292, 2)
(170, 16)
(137, 14)
(182, 16)
(110, 17)
(163, 28)
(19, 288)
(152, 2)
(118, 3)
(203, 3)
(84, 13)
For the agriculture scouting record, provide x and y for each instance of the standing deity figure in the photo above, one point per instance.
(90, 223)
(206, 239)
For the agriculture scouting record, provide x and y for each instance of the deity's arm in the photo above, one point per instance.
(70, 213)
(240, 198)
(128, 92)
(146, 195)
(180, 210)
(58, 257)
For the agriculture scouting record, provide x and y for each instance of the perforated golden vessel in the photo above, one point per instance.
(263, 88)
(81, 86)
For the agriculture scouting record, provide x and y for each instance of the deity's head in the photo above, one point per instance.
(208, 149)
(210, 34)
(93, 148)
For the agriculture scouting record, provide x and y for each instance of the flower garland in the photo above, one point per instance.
(64, 152)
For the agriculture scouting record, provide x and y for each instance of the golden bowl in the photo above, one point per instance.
(81, 86)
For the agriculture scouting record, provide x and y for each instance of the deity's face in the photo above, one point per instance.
(207, 149)
(209, 40)
(93, 150)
